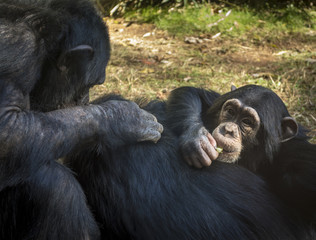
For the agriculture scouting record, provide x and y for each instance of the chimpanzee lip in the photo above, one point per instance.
(227, 149)
(227, 146)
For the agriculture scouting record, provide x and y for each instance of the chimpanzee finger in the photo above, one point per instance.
(211, 139)
(158, 127)
(208, 148)
(148, 116)
(150, 135)
(205, 160)
(152, 120)
(196, 162)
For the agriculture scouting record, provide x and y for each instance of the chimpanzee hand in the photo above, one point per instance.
(198, 147)
(127, 123)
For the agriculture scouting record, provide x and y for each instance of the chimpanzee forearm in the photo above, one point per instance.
(56, 133)
(23, 128)
(185, 106)
(185, 109)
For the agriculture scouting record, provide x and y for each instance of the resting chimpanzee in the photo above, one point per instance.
(253, 127)
(146, 191)
(51, 52)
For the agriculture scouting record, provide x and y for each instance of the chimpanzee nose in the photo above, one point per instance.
(231, 130)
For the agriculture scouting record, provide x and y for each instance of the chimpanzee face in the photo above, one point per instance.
(249, 124)
(238, 127)
(77, 64)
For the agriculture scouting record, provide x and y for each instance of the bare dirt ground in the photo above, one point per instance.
(149, 63)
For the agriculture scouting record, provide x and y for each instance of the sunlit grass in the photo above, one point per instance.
(275, 50)
(212, 19)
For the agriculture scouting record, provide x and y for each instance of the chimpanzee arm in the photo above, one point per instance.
(32, 135)
(185, 107)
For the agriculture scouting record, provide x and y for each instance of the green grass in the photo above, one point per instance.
(199, 19)
(274, 49)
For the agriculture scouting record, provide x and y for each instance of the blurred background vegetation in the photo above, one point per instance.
(120, 7)
(159, 45)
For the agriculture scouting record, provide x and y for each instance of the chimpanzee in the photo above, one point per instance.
(51, 52)
(146, 191)
(253, 127)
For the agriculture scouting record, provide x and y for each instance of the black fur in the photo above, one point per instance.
(42, 69)
(51, 53)
(146, 191)
(288, 167)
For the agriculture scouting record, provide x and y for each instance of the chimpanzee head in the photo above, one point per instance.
(249, 123)
(77, 50)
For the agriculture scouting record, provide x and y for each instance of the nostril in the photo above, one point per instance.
(231, 130)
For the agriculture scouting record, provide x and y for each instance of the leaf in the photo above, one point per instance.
(147, 34)
(281, 53)
(148, 70)
(228, 13)
(193, 40)
(216, 35)
(186, 79)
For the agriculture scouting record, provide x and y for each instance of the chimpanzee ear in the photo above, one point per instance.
(75, 59)
(289, 129)
(233, 88)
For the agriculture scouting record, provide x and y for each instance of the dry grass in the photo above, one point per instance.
(151, 66)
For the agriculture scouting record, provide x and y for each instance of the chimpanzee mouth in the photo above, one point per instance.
(229, 151)
(228, 155)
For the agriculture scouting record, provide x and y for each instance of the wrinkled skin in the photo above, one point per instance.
(238, 128)
(127, 123)
(198, 147)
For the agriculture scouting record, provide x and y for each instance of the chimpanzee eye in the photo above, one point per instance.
(247, 121)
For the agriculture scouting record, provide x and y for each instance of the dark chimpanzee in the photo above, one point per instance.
(146, 191)
(51, 52)
(253, 127)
